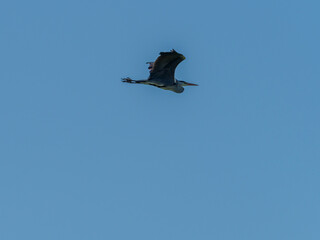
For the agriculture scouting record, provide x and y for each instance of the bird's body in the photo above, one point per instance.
(162, 73)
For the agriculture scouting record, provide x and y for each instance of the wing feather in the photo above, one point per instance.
(165, 65)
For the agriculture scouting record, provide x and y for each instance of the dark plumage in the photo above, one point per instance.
(162, 73)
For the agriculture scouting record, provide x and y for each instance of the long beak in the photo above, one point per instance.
(191, 84)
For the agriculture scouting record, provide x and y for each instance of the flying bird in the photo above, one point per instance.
(162, 73)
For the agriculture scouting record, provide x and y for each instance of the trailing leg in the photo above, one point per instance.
(129, 80)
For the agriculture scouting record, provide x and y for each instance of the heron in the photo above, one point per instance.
(162, 73)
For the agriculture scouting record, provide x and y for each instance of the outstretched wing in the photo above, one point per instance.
(163, 68)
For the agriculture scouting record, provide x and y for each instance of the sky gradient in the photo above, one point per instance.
(85, 156)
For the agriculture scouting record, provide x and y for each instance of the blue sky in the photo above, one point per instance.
(85, 156)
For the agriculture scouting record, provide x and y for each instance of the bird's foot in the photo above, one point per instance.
(127, 80)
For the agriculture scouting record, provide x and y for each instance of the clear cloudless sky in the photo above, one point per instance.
(85, 156)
